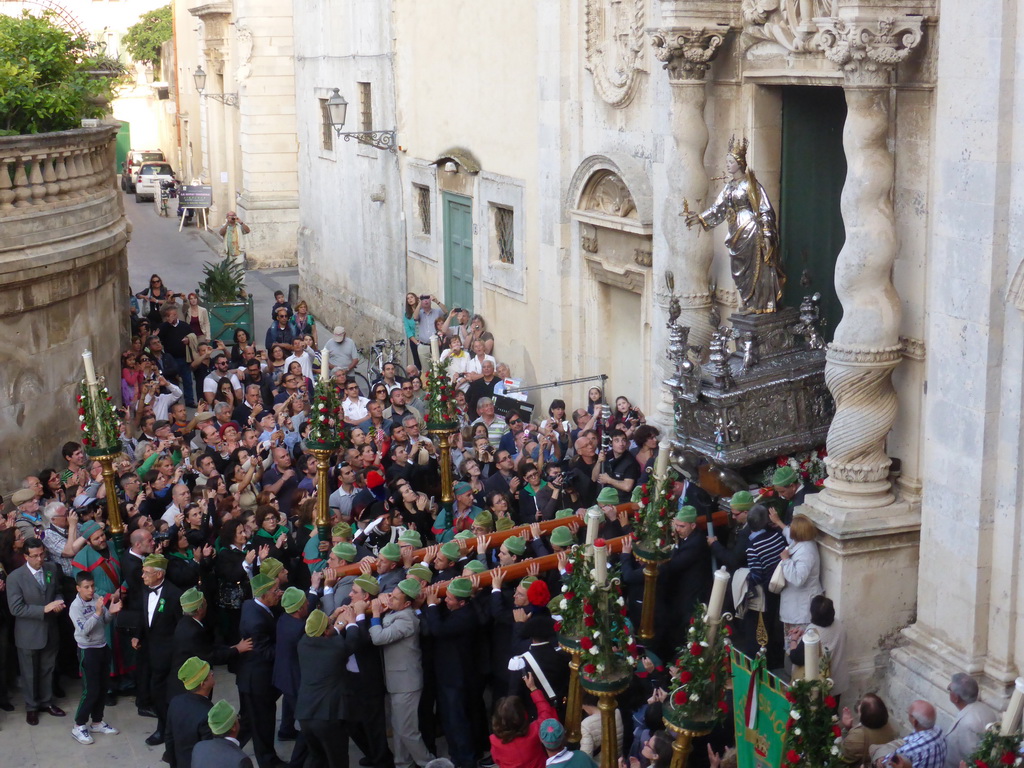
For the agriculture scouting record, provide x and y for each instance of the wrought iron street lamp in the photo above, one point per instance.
(337, 108)
(228, 99)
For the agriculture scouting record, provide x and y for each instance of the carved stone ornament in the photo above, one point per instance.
(867, 50)
(608, 194)
(643, 257)
(789, 23)
(688, 51)
(613, 44)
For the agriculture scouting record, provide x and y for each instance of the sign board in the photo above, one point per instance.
(196, 196)
(762, 746)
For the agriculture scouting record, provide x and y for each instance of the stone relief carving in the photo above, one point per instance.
(790, 23)
(608, 194)
(643, 257)
(243, 37)
(688, 51)
(866, 49)
(613, 43)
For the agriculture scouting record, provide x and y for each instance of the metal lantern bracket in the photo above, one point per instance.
(337, 108)
(227, 99)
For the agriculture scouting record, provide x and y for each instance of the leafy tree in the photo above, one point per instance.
(48, 77)
(144, 37)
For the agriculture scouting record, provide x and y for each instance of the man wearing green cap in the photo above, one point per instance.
(290, 629)
(154, 639)
(389, 567)
(187, 713)
(446, 558)
(454, 628)
(257, 696)
(683, 580)
(224, 750)
(395, 628)
(337, 587)
(619, 469)
(192, 639)
(735, 555)
(789, 493)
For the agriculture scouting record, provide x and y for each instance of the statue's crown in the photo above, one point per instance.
(738, 149)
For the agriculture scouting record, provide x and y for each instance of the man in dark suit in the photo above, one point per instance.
(325, 691)
(223, 750)
(683, 580)
(257, 696)
(192, 639)
(290, 629)
(140, 544)
(159, 606)
(187, 713)
(33, 595)
(455, 629)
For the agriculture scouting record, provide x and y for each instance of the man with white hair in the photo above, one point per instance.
(972, 717)
(61, 537)
(925, 747)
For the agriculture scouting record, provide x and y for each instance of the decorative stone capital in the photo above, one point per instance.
(868, 49)
(687, 52)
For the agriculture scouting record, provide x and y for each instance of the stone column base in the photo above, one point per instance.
(869, 564)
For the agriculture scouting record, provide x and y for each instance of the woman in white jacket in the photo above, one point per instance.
(802, 569)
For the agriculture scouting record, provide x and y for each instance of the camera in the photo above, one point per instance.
(161, 536)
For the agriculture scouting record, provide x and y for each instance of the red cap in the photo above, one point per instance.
(538, 593)
(374, 480)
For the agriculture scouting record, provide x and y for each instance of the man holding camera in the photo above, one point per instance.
(426, 315)
(233, 232)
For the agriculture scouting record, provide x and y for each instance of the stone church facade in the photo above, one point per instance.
(546, 152)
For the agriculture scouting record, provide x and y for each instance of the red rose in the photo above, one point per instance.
(980, 764)
(723, 706)
(570, 595)
(586, 643)
(568, 567)
(588, 609)
(680, 697)
(685, 676)
(793, 756)
(837, 731)
(1007, 758)
(695, 649)
(830, 702)
(588, 621)
(623, 610)
(81, 411)
(645, 500)
(790, 697)
(643, 489)
(558, 626)
(589, 669)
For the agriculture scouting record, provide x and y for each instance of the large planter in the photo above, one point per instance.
(614, 681)
(568, 643)
(226, 318)
(103, 453)
(692, 725)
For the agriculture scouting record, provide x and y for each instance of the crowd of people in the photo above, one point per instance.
(383, 625)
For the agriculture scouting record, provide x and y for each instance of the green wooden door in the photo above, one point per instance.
(811, 230)
(123, 144)
(458, 251)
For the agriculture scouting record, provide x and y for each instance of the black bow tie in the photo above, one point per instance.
(154, 590)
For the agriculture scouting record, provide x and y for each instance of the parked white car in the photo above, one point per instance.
(147, 185)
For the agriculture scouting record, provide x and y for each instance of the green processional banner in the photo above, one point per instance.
(759, 746)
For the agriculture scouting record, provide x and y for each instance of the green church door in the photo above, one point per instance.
(811, 230)
(458, 251)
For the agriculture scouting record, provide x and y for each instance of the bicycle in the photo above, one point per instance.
(381, 352)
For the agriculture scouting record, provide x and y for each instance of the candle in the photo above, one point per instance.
(661, 463)
(435, 351)
(600, 562)
(812, 655)
(718, 595)
(1011, 718)
(90, 370)
(325, 366)
(594, 515)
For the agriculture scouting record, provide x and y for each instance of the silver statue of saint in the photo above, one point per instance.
(753, 239)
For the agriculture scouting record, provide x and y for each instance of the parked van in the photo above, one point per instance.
(132, 163)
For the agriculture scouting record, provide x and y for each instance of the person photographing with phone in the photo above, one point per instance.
(233, 232)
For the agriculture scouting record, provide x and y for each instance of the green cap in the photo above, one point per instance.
(421, 571)
(460, 587)
(515, 545)
(345, 550)
(316, 623)
(484, 518)
(342, 531)
(261, 584)
(155, 561)
(271, 567)
(369, 584)
(410, 588)
(464, 535)
(686, 514)
(741, 501)
(451, 551)
(88, 528)
(462, 487)
(390, 551)
(193, 672)
(191, 599)
(504, 524)
(221, 718)
(784, 476)
(411, 538)
(608, 496)
(562, 537)
(293, 599)
(527, 581)
(475, 566)
(564, 513)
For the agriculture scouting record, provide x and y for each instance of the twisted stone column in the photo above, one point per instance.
(687, 53)
(866, 349)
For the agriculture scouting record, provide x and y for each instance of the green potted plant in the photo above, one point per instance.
(224, 296)
(698, 693)
(652, 522)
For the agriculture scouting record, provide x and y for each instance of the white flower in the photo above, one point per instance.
(796, 731)
(620, 602)
(597, 635)
(703, 643)
(693, 630)
(695, 697)
(595, 650)
(600, 667)
(794, 714)
(565, 587)
(563, 604)
(835, 750)
(81, 418)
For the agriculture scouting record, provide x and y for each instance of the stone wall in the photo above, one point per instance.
(63, 287)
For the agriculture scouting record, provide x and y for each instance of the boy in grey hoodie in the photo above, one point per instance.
(89, 617)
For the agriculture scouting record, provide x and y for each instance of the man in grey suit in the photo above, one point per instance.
(223, 750)
(397, 632)
(33, 594)
(972, 717)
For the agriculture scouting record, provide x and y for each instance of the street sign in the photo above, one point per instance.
(196, 196)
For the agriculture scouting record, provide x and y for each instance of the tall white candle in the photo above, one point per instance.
(435, 351)
(1012, 716)
(90, 370)
(812, 655)
(718, 595)
(594, 515)
(600, 562)
(325, 366)
(661, 463)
